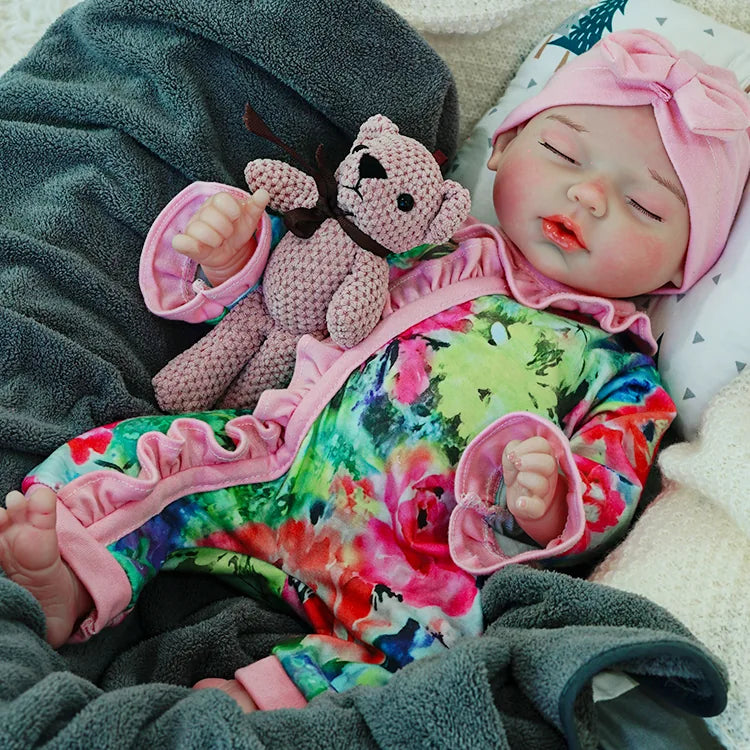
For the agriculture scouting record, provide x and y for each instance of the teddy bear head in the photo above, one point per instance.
(392, 189)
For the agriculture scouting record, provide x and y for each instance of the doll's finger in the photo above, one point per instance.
(204, 233)
(511, 462)
(217, 220)
(187, 245)
(227, 204)
(510, 454)
(254, 207)
(536, 484)
(536, 444)
(259, 199)
(529, 508)
(540, 463)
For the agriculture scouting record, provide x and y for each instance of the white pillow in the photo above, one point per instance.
(704, 336)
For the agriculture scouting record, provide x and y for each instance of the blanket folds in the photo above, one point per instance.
(525, 683)
(118, 107)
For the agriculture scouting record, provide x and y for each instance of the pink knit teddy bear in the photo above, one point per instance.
(387, 195)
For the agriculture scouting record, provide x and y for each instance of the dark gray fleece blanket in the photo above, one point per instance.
(525, 684)
(121, 105)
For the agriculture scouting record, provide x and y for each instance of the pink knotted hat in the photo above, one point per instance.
(701, 112)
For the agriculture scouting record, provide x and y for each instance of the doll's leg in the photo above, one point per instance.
(271, 367)
(30, 556)
(196, 379)
(29, 550)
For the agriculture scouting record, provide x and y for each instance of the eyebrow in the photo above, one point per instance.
(669, 185)
(567, 121)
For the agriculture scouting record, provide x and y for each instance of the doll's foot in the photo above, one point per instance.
(30, 556)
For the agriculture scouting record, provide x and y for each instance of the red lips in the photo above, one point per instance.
(564, 232)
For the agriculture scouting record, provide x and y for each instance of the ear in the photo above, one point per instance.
(453, 211)
(501, 143)
(375, 126)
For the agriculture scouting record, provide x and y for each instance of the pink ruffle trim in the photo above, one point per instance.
(531, 288)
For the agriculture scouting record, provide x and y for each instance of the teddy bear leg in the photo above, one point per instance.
(196, 379)
(271, 367)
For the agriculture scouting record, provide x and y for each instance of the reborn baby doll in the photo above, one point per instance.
(505, 409)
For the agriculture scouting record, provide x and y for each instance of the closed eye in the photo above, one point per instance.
(638, 207)
(556, 152)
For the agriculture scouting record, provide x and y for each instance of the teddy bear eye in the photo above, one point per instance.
(405, 202)
(358, 148)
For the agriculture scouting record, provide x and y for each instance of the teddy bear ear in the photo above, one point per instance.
(453, 212)
(375, 126)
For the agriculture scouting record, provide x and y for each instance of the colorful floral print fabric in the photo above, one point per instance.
(354, 536)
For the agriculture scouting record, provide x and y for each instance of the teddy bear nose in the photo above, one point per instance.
(369, 166)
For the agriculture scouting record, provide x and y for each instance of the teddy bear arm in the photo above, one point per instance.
(288, 187)
(357, 305)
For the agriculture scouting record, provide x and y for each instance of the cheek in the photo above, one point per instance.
(642, 256)
(516, 185)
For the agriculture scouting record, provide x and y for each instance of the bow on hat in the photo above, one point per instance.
(708, 98)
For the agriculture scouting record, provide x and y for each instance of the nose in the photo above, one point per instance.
(591, 194)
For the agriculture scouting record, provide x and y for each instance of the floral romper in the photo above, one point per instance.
(367, 496)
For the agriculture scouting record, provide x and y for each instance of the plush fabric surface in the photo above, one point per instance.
(129, 124)
(524, 684)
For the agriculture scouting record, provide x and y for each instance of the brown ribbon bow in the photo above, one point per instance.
(304, 222)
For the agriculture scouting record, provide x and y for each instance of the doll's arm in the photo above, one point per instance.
(613, 448)
(535, 489)
(603, 459)
(357, 305)
(168, 279)
(220, 236)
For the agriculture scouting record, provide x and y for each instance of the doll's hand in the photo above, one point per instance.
(219, 235)
(534, 490)
(232, 688)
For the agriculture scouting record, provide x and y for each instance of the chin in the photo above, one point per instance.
(550, 261)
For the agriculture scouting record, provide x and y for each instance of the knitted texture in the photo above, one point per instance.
(467, 17)
(690, 551)
(196, 379)
(392, 189)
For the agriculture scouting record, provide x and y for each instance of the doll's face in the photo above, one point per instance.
(589, 196)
